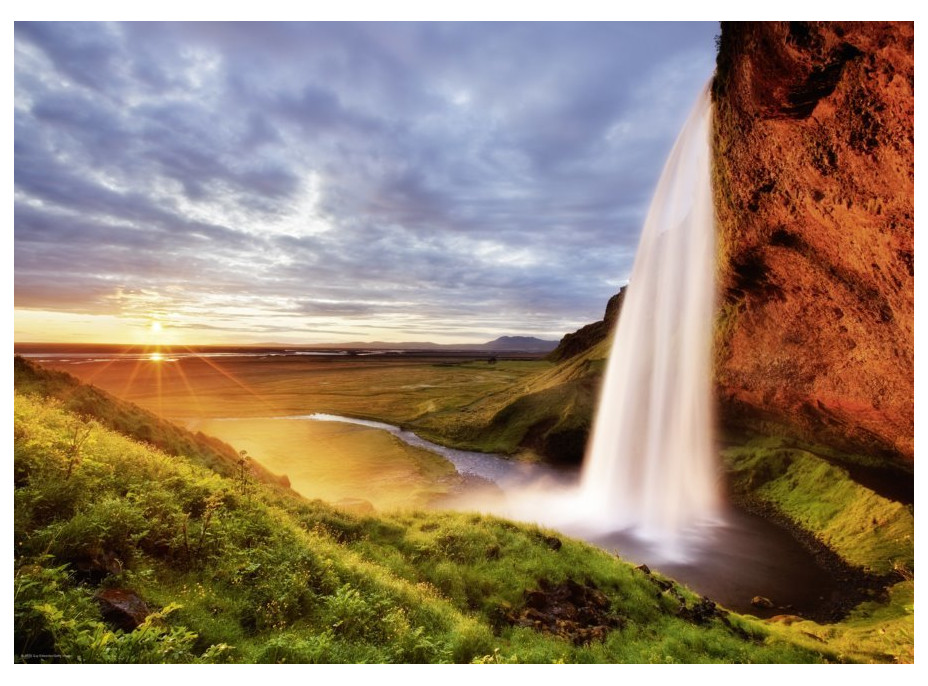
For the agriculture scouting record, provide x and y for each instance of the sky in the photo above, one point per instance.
(194, 183)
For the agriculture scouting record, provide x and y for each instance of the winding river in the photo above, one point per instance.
(742, 558)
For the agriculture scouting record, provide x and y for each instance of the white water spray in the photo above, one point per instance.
(650, 467)
(651, 459)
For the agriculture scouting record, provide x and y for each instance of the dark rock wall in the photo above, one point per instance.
(814, 174)
(583, 339)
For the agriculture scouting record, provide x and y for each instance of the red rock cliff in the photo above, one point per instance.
(814, 133)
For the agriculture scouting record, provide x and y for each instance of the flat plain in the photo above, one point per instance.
(250, 402)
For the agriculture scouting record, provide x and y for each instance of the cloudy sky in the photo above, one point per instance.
(324, 182)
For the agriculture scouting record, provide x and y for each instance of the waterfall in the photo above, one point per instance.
(650, 462)
(650, 475)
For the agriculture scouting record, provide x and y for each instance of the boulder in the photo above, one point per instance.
(763, 603)
(122, 608)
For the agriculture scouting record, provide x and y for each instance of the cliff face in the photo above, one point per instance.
(814, 175)
(583, 339)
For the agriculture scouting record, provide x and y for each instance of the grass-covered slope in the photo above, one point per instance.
(233, 569)
(548, 414)
(868, 531)
(584, 338)
(91, 403)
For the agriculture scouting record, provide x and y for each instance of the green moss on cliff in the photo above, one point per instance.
(866, 530)
(546, 415)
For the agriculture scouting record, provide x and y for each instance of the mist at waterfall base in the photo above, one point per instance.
(650, 478)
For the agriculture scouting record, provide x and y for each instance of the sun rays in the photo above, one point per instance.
(166, 378)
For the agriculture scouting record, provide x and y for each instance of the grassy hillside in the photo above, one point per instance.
(232, 567)
(871, 532)
(547, 414)
(90, 402)
(586, 337)
(235, 569)
(810, 489)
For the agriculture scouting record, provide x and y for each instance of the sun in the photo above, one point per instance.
(156, 327)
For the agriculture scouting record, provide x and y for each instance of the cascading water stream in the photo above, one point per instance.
(650, 467)
(651, 461)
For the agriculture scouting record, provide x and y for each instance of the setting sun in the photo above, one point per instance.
(156, 327)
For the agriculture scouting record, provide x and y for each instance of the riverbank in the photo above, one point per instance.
(349, 460)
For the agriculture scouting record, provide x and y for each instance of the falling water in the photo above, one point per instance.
(650, 464)
(649, 477)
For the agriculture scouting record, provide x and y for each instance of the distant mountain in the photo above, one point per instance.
(520, 343)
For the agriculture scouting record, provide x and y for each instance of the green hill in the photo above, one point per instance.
(210, 564)
(90, 402)
(545, 415)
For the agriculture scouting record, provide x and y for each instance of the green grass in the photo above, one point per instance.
(874, 632)
(394, 390)
(545, 414)
(866, 530)
(90, 402)
(510, 407)
(262, 575)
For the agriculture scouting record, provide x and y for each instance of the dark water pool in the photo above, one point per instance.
(742, 559)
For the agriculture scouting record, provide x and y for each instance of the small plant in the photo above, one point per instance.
(212, 503)
(77, 432)
(495, 658)
(351, 614)
(243, 470)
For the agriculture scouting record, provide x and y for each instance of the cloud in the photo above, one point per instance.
(466, 178)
